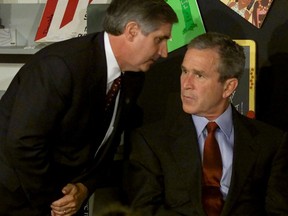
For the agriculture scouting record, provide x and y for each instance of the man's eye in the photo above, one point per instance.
(184, 71)
(158, 40)
(198, 75)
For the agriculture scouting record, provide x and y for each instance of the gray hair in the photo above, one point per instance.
(149, 15)
(232, 57)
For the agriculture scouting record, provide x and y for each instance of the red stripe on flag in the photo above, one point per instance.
(46, 19)
(69, 12)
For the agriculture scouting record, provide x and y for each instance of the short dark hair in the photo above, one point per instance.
(149, 14)
(232, 57)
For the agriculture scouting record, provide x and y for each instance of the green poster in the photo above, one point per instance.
(190, 23)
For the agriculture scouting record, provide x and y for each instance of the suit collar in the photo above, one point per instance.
(113, 69)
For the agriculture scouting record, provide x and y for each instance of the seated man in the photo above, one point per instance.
(178, 167)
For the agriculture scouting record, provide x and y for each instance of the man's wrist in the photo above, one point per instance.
(83, 190)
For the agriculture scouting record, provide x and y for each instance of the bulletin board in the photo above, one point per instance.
(244, 97)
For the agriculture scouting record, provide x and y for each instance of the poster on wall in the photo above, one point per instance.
(62, 19)
(244, 97)
(190, 23)
(254, 11)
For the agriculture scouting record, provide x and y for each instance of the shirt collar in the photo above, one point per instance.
(113, 69)
(224, 122)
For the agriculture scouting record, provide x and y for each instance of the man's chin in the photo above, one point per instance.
(145, 68)
(187, 109)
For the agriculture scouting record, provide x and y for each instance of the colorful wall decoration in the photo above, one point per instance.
(254, 11)
(190, 23)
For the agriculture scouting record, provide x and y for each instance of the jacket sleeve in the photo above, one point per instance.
(36, 103)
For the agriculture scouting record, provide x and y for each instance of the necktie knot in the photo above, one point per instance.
(211, 127)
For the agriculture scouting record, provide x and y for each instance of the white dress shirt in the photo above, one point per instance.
(113, 71)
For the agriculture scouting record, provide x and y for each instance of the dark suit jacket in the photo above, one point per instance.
(51, 121)
(164, 174)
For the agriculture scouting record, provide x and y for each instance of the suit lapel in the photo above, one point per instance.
(131, 85)
(244, 155)
(103, 151)
(98, 75)
(185, 149)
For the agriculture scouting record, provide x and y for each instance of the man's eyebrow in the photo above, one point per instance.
(167, 37)
(192, 70)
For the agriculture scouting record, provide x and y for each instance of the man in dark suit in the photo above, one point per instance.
(54, 147)
(168, 173)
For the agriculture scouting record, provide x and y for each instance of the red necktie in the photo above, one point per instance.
(112, 93)
(212, 172)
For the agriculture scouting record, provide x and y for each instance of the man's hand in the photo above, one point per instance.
(70, 203)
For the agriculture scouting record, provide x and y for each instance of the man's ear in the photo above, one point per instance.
(230, 86)
(131, 30)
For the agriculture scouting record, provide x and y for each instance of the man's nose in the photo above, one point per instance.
(163, 50)
(187, 81)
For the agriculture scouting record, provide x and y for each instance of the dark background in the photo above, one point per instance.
(271, 62)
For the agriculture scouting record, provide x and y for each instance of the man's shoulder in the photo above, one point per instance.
(71, 46)
(257, 127)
